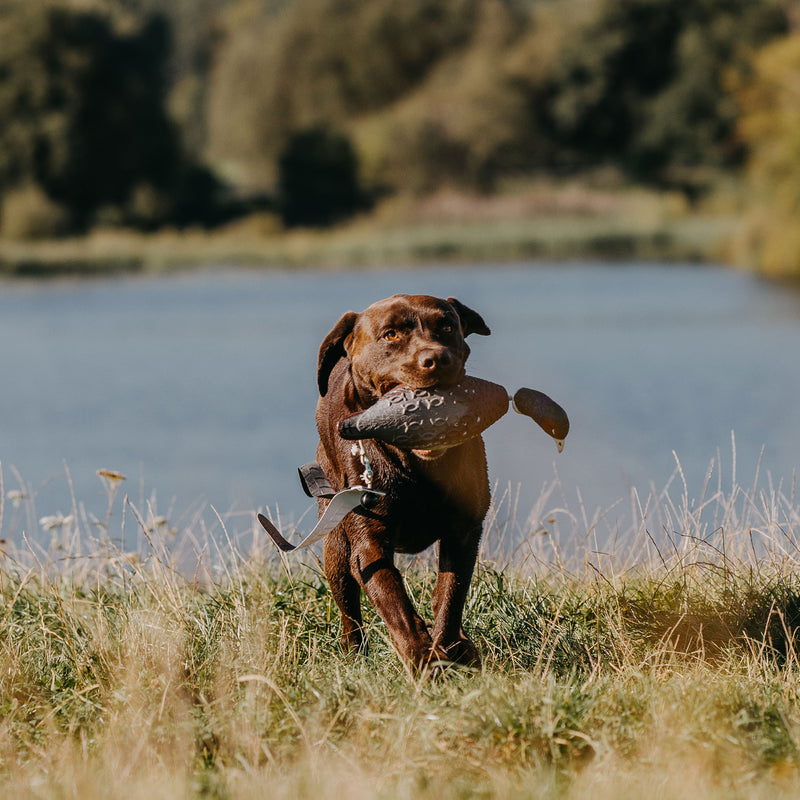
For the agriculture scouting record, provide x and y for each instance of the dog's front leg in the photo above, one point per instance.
(383, 585)
(457, 558)
(344, 588)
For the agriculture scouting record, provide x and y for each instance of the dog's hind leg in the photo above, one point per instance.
(345, 589)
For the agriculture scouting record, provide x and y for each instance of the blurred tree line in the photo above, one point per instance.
(141, 113)
(85, 135)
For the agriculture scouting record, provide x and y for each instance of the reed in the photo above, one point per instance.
(651, 652)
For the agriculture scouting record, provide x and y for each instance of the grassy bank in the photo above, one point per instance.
(540, 221)
(662, 664)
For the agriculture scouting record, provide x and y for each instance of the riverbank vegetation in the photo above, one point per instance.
(655, 654)
(247, 126)
(548, 220)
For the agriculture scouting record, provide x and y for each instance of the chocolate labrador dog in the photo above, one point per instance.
(430, 496)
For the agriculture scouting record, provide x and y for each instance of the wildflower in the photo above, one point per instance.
(55, 521)
(16, 497)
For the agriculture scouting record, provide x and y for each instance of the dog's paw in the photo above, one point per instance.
(464, 652)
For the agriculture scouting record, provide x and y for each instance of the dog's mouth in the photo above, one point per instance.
(386, 386)
(437, 382)
(430, 455)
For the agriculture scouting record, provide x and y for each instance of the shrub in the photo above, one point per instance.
(28, 213)
(466, 125)
(771, 127)
(82, 113)
(318, 178)
(320, 62)
(642, 83)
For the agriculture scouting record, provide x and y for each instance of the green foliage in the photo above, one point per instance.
(642, 83)
(108, 108)
(771, 127)
(26, 212)
(84, 108)
(318, 178)
(466, 125)
(467, 91)
(82, 117)
(369, 54)
(194, 32)
(321, 62)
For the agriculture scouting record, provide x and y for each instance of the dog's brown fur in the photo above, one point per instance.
(418, 341)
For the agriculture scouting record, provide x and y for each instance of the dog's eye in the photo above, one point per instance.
(446, 328)
(390, 335)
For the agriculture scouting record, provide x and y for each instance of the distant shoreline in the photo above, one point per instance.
(131, 253)
(540, 224)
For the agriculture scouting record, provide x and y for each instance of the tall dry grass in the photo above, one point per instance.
(645, 653)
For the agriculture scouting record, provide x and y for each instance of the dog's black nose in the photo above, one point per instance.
(429, 360)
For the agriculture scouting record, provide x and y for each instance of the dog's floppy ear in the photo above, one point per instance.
(332, 349)
(471, 321)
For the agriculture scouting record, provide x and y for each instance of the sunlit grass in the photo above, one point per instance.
(530, 222)
(149, 657)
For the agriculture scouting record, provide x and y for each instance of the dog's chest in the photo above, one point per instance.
(422, 507)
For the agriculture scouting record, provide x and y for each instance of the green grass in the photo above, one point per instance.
(664, 666)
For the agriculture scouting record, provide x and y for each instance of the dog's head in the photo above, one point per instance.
(414, 340)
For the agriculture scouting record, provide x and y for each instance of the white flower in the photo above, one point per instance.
(55, 521)
(16, 497)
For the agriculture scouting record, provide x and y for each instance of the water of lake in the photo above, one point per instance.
(201, 387)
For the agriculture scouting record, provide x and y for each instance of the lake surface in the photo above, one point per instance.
(200, 388)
